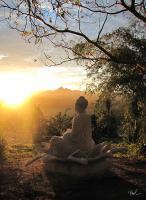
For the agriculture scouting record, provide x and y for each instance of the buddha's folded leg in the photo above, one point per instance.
(58, 147)
(67, 136)
(54, 145)
(99, 148)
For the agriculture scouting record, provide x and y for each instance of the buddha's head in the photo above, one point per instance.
(81, 104)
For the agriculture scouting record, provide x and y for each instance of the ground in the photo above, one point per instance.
(128, 181)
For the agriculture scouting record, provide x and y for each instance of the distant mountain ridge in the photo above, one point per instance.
(54, 101)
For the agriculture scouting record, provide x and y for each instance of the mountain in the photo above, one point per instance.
(52, 102)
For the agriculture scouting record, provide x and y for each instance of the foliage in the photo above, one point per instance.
(125, 78)
(107, 121)
(58, 124)
(122, 79)
(119, 121)
(40, 125)
(133, 151)
(2, 148)
(132, 130)
(36, 19)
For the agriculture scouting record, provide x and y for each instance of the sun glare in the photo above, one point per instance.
(14, 100)
(17, 87)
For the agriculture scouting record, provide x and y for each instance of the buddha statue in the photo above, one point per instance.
(76, 144)
(77, 138)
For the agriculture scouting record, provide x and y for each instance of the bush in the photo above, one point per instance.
(58, 124)
(55, 126)
(134, 151)
(122, 118)
(107, 121)
(2, 149)
(131, 130)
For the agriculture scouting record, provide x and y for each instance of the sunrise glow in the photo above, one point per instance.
(17, 86)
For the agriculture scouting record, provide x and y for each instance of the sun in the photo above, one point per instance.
(15, 99)
(18, 85)
(16, 88)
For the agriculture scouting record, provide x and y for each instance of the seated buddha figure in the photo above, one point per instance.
(77, 138)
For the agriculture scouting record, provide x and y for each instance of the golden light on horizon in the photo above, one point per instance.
(17, 86)
(14, 88)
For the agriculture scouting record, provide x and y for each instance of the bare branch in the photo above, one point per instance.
(132, 9)
(102, 28)
(36, 23)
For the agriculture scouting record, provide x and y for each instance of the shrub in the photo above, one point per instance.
(55, 126)
(132, 153)
(107, 121)
(2, 148)
(131, 130)
(58, 124)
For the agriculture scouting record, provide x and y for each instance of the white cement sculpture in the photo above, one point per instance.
(77, 138)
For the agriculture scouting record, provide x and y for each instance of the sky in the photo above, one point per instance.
(23, 72)
(17, 55)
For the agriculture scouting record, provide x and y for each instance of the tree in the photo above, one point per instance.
(39, 125)
(125, 77)
(121, 78)
(107, 120)
(46, 19)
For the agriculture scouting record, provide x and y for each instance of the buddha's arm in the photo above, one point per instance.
(76, 126)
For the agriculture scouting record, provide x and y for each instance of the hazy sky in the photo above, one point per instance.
(18, 56)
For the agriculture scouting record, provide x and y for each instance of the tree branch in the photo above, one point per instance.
(133, 10)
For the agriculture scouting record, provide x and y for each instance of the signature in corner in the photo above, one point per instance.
(134, 192)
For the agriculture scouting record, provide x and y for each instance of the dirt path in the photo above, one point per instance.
(20, 183)
(127, 183)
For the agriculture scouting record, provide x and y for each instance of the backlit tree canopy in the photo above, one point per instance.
(126, 77)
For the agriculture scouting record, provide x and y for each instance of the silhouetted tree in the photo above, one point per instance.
(40, 126)
(127, 79)
(107, 122)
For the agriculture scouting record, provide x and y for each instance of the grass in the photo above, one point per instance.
(132, 153)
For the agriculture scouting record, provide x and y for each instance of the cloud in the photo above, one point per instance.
(19, 53)
(2, 56)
